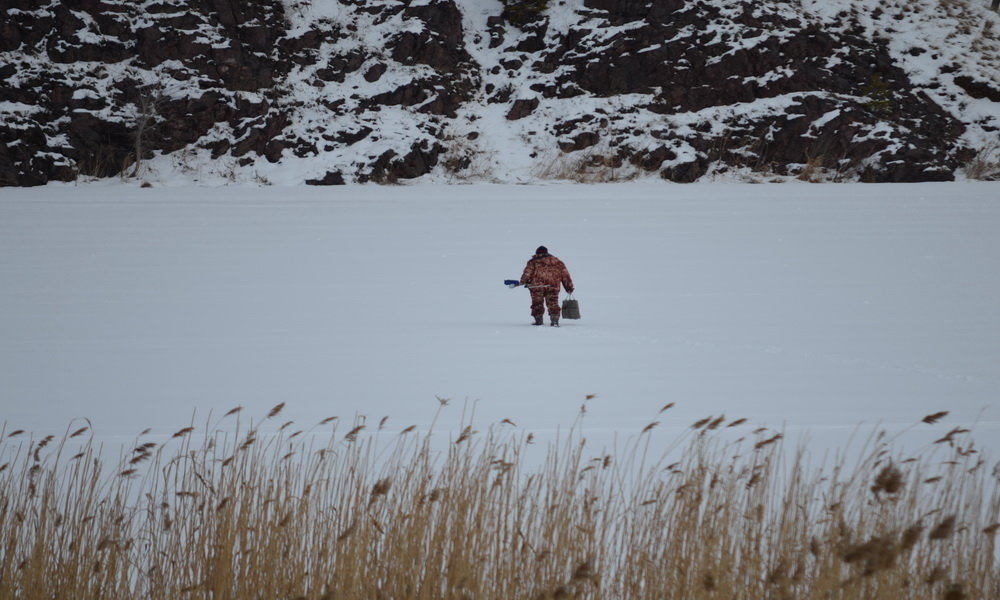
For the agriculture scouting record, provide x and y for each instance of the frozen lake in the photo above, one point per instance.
(801, 307)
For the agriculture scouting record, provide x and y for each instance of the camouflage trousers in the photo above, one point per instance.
(542, 297)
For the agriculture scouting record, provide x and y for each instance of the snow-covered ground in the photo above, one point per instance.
(803, 307)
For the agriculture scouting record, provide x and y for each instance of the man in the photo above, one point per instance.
(542, 276)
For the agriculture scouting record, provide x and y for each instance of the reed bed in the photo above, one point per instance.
(244, 511)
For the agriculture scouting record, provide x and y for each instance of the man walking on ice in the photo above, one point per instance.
(542, 276)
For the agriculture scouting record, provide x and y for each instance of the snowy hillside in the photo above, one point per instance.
(340, 91)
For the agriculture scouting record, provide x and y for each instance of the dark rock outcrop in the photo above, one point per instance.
(382, 91)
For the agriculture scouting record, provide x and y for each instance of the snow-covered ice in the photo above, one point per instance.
(803, 307)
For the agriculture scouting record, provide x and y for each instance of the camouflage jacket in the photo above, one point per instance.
(546, 270)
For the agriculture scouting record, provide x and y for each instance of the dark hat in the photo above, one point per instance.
(542, 250)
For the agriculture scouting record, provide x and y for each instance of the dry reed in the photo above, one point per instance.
(234, 512)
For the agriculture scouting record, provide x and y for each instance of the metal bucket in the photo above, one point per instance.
(570, 309)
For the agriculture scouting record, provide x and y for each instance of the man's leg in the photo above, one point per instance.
(552, 299)
(537, 304)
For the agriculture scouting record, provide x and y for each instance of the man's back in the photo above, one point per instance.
(547, 270)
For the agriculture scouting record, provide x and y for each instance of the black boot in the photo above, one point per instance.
(555, 321)
(538, 320)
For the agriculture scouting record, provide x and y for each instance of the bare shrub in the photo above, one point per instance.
(985, 165)
(465, 160)
(587, 166)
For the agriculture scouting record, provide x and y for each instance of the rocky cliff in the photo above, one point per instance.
(340, 91)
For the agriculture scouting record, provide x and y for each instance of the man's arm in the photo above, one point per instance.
(567, 281)
(528, 273)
